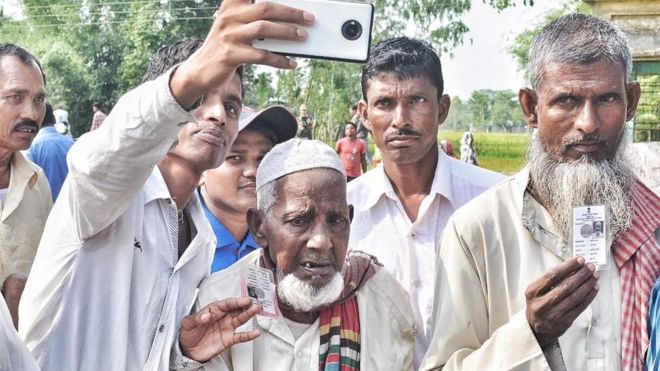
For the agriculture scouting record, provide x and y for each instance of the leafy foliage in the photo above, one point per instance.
(486, 110)
(97, 50)
(521, 43)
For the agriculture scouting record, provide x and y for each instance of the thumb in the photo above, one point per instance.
(192, 321)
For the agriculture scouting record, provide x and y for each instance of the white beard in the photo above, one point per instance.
(304, 297)
(563, 185)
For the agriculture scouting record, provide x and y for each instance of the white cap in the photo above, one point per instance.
(296, 155)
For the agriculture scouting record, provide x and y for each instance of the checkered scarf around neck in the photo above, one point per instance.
(339, 323)
(637, 256)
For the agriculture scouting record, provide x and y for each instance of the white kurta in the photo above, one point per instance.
(386, 328)
(492, 249)
(107, 290)
(408, 250)
(13, 353)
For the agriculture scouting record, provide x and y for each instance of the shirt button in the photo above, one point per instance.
(161, 328)
(563, 249)
(300, 355)
(417, 283)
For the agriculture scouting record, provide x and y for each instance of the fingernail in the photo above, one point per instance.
(205, 316)
(596, 287)
(302, 34)
(580, 260)
(308, 17)
(293, 63)
(591, 267)
(596, 274)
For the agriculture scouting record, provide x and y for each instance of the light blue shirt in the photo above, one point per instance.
(227, 251)
(653, 355)
(48, 150)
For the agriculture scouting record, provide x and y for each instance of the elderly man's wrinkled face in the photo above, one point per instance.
(306, 234)
(22, 103)
(575, 158)
(581, 110)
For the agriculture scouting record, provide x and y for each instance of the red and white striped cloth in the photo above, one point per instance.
(637, 255)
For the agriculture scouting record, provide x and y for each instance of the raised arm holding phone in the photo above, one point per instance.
(128, 243)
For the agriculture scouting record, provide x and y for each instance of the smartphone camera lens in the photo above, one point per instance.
(352, 30)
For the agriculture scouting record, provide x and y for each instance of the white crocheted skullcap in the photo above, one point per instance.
(296, 155)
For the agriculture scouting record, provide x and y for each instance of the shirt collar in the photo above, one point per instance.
(380, 185)
(155, 187)
(23, 171)
(23, 175)
(221, 232)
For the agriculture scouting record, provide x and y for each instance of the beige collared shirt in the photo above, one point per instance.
(24, 214)
(492, 249)
(407, 249)
(386, 328)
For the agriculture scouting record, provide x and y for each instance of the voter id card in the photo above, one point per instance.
(590, 234)
(257, 283)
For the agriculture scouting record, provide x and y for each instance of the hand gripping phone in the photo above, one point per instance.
(341, 31)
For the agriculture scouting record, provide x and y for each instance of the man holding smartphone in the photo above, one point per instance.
(128, 244)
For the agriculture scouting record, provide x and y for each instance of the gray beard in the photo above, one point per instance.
(304, 297)
(564, 185)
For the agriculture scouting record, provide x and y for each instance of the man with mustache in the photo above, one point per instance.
(401, 208)
(510, 292)
(334, 312)
(127, 242)
(25, 199)
(228, 191)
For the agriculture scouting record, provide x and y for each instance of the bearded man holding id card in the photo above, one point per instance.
(552, 268)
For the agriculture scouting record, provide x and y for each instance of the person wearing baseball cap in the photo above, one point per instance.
(228, 191)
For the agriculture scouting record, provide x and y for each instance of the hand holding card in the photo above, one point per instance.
(258, 284)
(589, 234)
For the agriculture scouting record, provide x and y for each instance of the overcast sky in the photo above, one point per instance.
(486, 63)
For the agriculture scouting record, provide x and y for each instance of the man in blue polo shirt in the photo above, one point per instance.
(228, 191)
(49, 150)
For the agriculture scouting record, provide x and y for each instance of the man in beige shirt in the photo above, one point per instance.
(25, 199)
(510, 294)
(333, 311)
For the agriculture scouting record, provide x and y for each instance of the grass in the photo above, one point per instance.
(501, 152)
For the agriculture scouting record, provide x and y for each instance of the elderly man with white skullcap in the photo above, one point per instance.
(321, 309)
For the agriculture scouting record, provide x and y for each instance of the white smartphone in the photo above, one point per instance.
(341, 31)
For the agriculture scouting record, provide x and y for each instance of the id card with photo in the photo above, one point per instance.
(258, 284)
(590, 234)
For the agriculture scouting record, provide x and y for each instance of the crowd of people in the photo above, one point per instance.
(191, 232)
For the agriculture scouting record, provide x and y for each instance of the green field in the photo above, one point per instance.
(500, 152)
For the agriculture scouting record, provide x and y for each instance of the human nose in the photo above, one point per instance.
(250, 169)
(587, 120)
(214, 112)
(320, 238)
(400, 116)
(32, 110)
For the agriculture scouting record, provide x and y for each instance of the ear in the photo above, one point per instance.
(633, 93)
(528, 101)
(444, 102)
(364, 115)
(255, 220)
